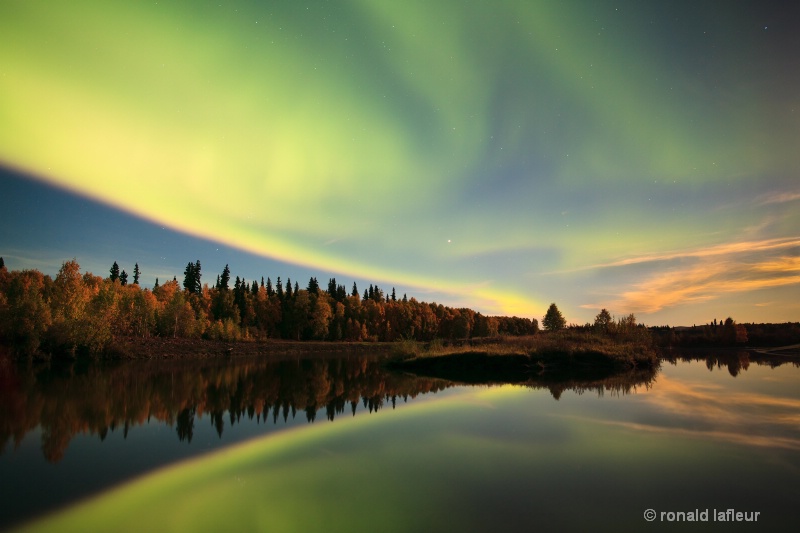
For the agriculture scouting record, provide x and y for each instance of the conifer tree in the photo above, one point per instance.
(156, 285)
(136, 274)
(288, 288)
(355, 290)
(123, 278)
(279, 289)
(114, 272)
(270, 290)
(191, 277)
(225, 278)
(2, 264)
(394, 296)
(197, 287)
(313, 286)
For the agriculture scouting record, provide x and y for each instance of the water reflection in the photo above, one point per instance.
(735, 361)
(476, 458)
(65, 400)
(494, 458)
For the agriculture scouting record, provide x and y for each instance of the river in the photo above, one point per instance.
(339, 443)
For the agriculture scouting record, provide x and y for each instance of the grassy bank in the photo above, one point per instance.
(517, 359)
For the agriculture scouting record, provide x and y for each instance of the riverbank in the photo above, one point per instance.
(519, 359)
(183, 348)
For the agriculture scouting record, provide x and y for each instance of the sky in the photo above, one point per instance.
(498, 155)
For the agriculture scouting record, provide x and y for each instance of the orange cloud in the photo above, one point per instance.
(718, 250)
(705, 274)
(779, 198)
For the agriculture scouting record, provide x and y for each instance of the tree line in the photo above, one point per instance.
(83, 313)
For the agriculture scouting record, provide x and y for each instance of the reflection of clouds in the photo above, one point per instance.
(702, 275)
(714, 412)
(767, 441)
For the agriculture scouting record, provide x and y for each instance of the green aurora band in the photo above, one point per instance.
(479, 150)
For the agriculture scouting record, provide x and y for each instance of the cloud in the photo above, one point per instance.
(700, 275)
(779, 198)
(763, 245)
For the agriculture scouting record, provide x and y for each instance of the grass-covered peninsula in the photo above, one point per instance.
(520, 359)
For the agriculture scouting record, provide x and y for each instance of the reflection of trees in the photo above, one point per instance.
(477, 368)
(185, 424)
(68, 399)
(735, 361)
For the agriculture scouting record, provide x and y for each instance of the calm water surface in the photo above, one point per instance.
(340, 444)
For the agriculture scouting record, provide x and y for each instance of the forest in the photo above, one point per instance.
(82, 313)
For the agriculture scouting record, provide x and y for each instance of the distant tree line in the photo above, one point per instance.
(83, 313)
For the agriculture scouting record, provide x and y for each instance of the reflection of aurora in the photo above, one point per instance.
(66, 401)
(500, 458)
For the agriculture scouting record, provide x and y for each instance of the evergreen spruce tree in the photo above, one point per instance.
(279, 289)
(188, 277)
(313, 286)
(288, 288)
(2, 264)
(198, 288)
(114, 272)
(394, 297)
(136, 274)
(225, 278)
(156, 285)
(123, 278)
(355, 290)
(270, 290)
(191, 277)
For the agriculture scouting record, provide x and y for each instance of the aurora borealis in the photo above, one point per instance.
(637, 156)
